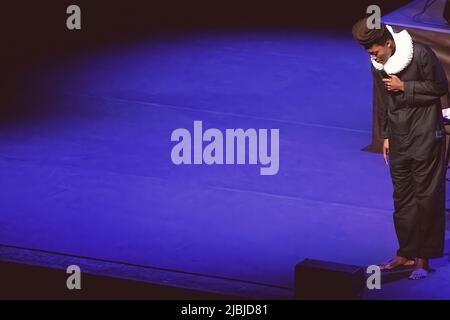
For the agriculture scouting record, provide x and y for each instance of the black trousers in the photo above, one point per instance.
(419, 203)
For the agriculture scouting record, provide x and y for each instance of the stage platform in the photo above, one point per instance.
(86, 171)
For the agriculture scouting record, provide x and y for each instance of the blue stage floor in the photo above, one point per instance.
(86, 167)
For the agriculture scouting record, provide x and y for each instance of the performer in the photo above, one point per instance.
(408, 83)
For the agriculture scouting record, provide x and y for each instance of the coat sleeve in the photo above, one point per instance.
(433, 84)
(379, 97)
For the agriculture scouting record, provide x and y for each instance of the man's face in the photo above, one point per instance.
(380, 53)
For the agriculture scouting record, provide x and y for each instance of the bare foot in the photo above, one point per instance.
(396, 263)
(421, 270)
(418, 274)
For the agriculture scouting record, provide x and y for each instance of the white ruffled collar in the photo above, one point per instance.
(402, 56)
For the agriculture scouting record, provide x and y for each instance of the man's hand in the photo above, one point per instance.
(386, 151)
(394, 84)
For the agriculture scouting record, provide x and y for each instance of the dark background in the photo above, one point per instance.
(40, 25)
(36, 30)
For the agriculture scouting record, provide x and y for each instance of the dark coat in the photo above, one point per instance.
(412, 120)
